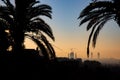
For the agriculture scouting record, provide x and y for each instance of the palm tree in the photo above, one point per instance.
(24, 20)
(97, 13)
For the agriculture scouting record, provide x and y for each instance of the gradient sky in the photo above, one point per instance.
(68, 34)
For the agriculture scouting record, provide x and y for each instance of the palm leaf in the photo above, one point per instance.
(39, 24)
(40, 45)
(92, 6)
(94, 15)
(10, 6)
(100, 26)
(90, 36)
(50, 48)
(99, 23)
(43, 10)
(98, 18)
(32, 4)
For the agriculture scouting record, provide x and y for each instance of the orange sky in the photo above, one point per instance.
(108, 43)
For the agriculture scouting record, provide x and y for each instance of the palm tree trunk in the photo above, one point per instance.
(21, 6)
(20, 23)
(18, 40)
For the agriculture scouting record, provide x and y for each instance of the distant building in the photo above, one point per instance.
(72, 55)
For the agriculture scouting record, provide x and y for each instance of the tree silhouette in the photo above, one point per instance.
(97, 13)
(4, 38)
(23, 19)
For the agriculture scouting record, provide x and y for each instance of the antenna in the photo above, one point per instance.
(98, 55)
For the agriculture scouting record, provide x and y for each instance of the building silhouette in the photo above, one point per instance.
(72, 55)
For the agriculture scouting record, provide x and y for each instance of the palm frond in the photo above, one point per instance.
(90, 36)
(98, 14)
(49, 46)
(91, 23)
(39, 24)
(39, 10)
(40, 45)
(52, 51)
(4, 10)
(32, 4)
(92, 6)
(87, 18)
(10, 6)
(95, 15)
(98, 18)
(98, 23)
(100, 26)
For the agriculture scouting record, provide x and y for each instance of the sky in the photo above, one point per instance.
(69, 36)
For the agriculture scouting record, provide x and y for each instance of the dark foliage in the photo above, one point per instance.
(23, 20)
